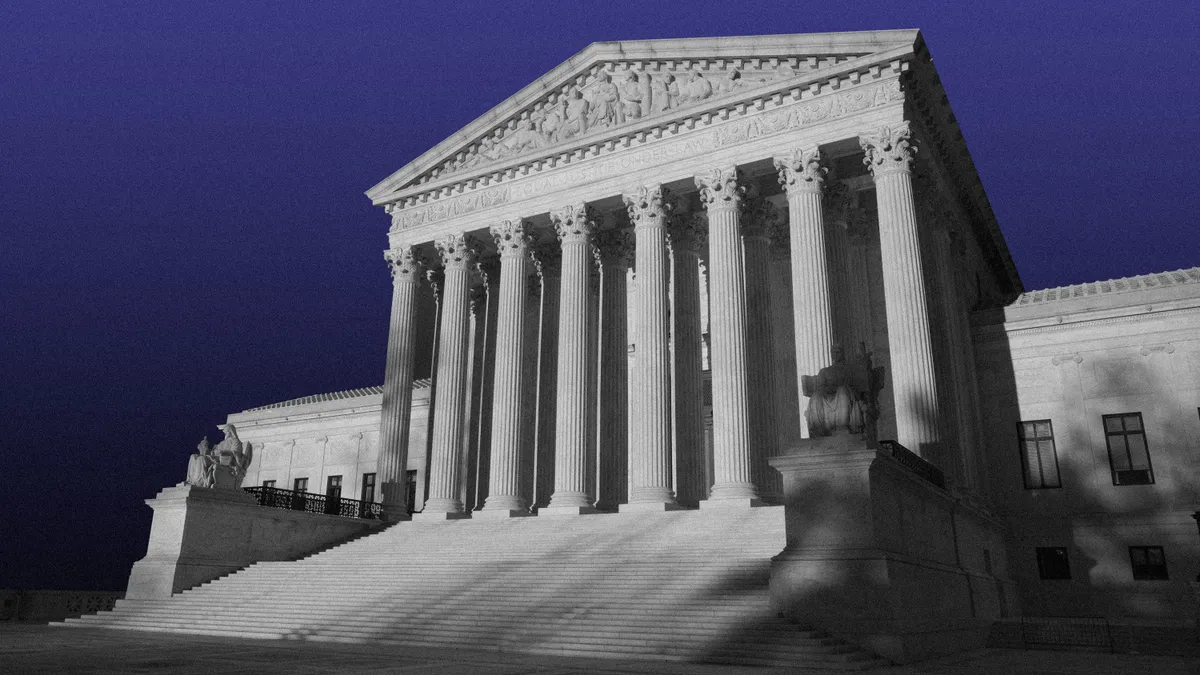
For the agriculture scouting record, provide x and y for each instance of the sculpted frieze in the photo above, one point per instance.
(611, 95)
(787, 117)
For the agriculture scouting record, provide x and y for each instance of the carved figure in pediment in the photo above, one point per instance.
(575, 111)
(664, 92)
(525, 137)
(695, 88)
(842, 397)
(605, 103)
(630, 91)
(549, 122)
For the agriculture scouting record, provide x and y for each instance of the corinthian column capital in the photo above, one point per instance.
(512, 237)
(576, 222)
(456, 250)
(648, 206)
(801, 170)
(760, 217)
(889, 149)
(405, 263)
(721, 188)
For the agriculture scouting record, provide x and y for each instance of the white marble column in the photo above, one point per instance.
(760, 345)
(396, 408)
(616, 251)
(802, 176)
(733, 482)
(889, 155)
(686, 235)
(575, 225)
(504, 488)
(650, 404)
(445, 471)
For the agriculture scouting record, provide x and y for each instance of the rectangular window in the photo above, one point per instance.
(1039, 460)
(1053, 563)
(1148, 563)
(268, 483)
(300, 485)
(368, 487)
(333, 487)
(1127, 451)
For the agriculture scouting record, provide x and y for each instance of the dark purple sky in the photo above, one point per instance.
(183, 231)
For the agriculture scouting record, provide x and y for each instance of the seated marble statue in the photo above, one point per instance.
(201, 465)
(223, 466)
(841, 397)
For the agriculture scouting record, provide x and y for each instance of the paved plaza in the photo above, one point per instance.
(34, 648)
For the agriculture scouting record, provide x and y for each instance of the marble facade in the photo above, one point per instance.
(615, 279)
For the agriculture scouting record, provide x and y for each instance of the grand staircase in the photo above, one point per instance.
(682, 586)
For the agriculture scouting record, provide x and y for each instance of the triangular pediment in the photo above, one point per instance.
(612, 88)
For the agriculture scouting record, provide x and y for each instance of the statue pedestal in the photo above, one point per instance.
(880, 557)
(199, 534)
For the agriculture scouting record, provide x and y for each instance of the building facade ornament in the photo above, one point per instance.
(615, 245)
(889, 149)
(405, 263)
(576, 222)
(649, 206)
(721, 188)
(512, 238)
(801, 170)
(687, 232)
(457, 251)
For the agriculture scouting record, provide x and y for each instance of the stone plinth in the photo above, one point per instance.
(199, 534)
(880, 557)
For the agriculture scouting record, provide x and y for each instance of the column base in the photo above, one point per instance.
(645, 507)
(438, 516)
(491, 514)
(567, 510)
(731, 503)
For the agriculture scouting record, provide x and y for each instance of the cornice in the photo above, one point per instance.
(771, 95)
(709, 134)
(986, 334)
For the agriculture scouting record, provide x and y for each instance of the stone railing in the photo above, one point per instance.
(913, 462)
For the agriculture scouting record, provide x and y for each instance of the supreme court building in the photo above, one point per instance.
(608, 292)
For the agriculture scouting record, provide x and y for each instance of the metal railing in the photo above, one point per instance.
(911, 461)
(313, 503)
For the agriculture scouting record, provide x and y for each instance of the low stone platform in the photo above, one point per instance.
(26, 648)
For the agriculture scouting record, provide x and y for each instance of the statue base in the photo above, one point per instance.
(199, 534)
(882, 558)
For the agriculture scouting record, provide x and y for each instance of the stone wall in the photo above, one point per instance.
(1071, 356)
(42, 605)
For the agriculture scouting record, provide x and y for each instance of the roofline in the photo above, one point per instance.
(682, 48)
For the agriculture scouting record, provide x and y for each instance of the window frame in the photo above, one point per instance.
(268, 484)
(368, 481)
(1146, 551)
(1044, 562)
(296, 484)
(1124, 434)
(1025, 472)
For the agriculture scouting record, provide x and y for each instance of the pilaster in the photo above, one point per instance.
(686, 234)
(760, 344)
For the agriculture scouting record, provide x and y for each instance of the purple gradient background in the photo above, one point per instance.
(183, 231)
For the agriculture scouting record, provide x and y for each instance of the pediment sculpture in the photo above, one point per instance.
(612, 95)
(222, 466)
(843, 397)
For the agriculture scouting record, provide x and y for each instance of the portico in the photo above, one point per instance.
(618, 204)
